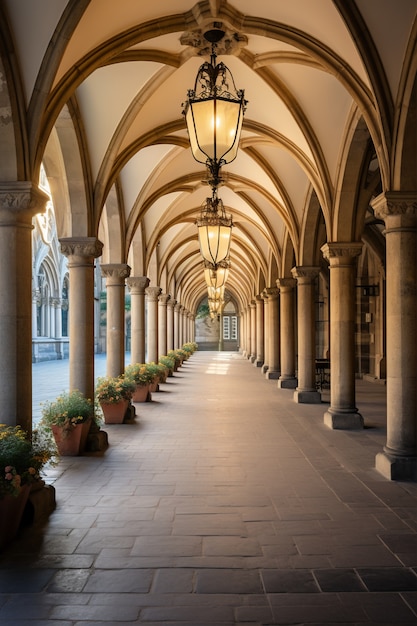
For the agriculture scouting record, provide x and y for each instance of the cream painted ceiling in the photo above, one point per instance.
(308, 67)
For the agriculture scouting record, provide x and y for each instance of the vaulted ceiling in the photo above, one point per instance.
(103, 83)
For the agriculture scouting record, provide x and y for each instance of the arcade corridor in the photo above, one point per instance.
(223, 503)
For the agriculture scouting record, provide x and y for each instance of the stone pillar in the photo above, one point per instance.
(81, 252)
(342, 413)
(177, 310)
(115, 275)
(273, 333)
(252, 306)
(19, 202)
(306, 391)
(152, 295)
(265, 365)
(259, 315)
(170, 324)
(162, 323)
(398, 461)
(137, 286)
(287, 379)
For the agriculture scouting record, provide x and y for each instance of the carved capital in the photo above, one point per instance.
(395, 203)
(152, 293)
(305, 274)
(137, 285)
(55, 302)
(20, 201)
(285, 284)
(163, 299)
(178, 307)
(341, 253)
(271, 293)
(118, 271)
(171, 304)
(86, 248)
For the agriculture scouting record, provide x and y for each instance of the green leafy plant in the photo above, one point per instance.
(167, 362)
(111, 390)
(67, 411)
(22, 458)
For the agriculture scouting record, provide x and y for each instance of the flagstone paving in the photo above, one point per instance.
(224, 502)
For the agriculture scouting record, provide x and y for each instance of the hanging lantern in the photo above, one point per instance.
(216, 275)
(215, 294)
(214, 230)
(214, 113)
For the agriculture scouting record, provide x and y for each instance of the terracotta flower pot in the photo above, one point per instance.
(71, 443)
(154, 385)
(11, 513)
(114, 412)
(141, 393)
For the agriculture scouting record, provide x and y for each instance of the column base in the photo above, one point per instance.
(258, 363)
(396, 467)
(307, 397)
(287, 383)
(265, 368)
(343, 421)
(272, 375)
(252, 359)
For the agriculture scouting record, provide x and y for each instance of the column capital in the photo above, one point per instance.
(271, 293)
(252, 304)
(171, 303)
(395, 203)
(86, 248)
(305, 273)
(341, 253)
(259, 299)
(137, 285)
(285, 284)
(178, 306)
(21, 199)
(164, 298)
(117, 271)
(153, 293)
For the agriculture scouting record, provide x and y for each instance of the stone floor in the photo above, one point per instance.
(225, 502)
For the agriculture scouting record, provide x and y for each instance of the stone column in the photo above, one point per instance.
(265, 365)
(342, 413)
(81, 252)
(287, 379)
(170, 324)
(252, 306)
(152, 295)
(162, 323)
(19, 202)
(398, 461)
(306, 391)
(273, 333)
(259, 315)
(115, 275)
(137, 286)
(177, 310)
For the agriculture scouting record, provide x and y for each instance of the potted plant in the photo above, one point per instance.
(69, 418)
(21, 462)
(142, 377)
(190, 347)
(155, 370)
(173, 354)
(114, 395)
(169, 363)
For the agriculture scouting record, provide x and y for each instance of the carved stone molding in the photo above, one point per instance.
(137, 285)
(84, 247)
(115, 270)
(171, 304)
(231, 43)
